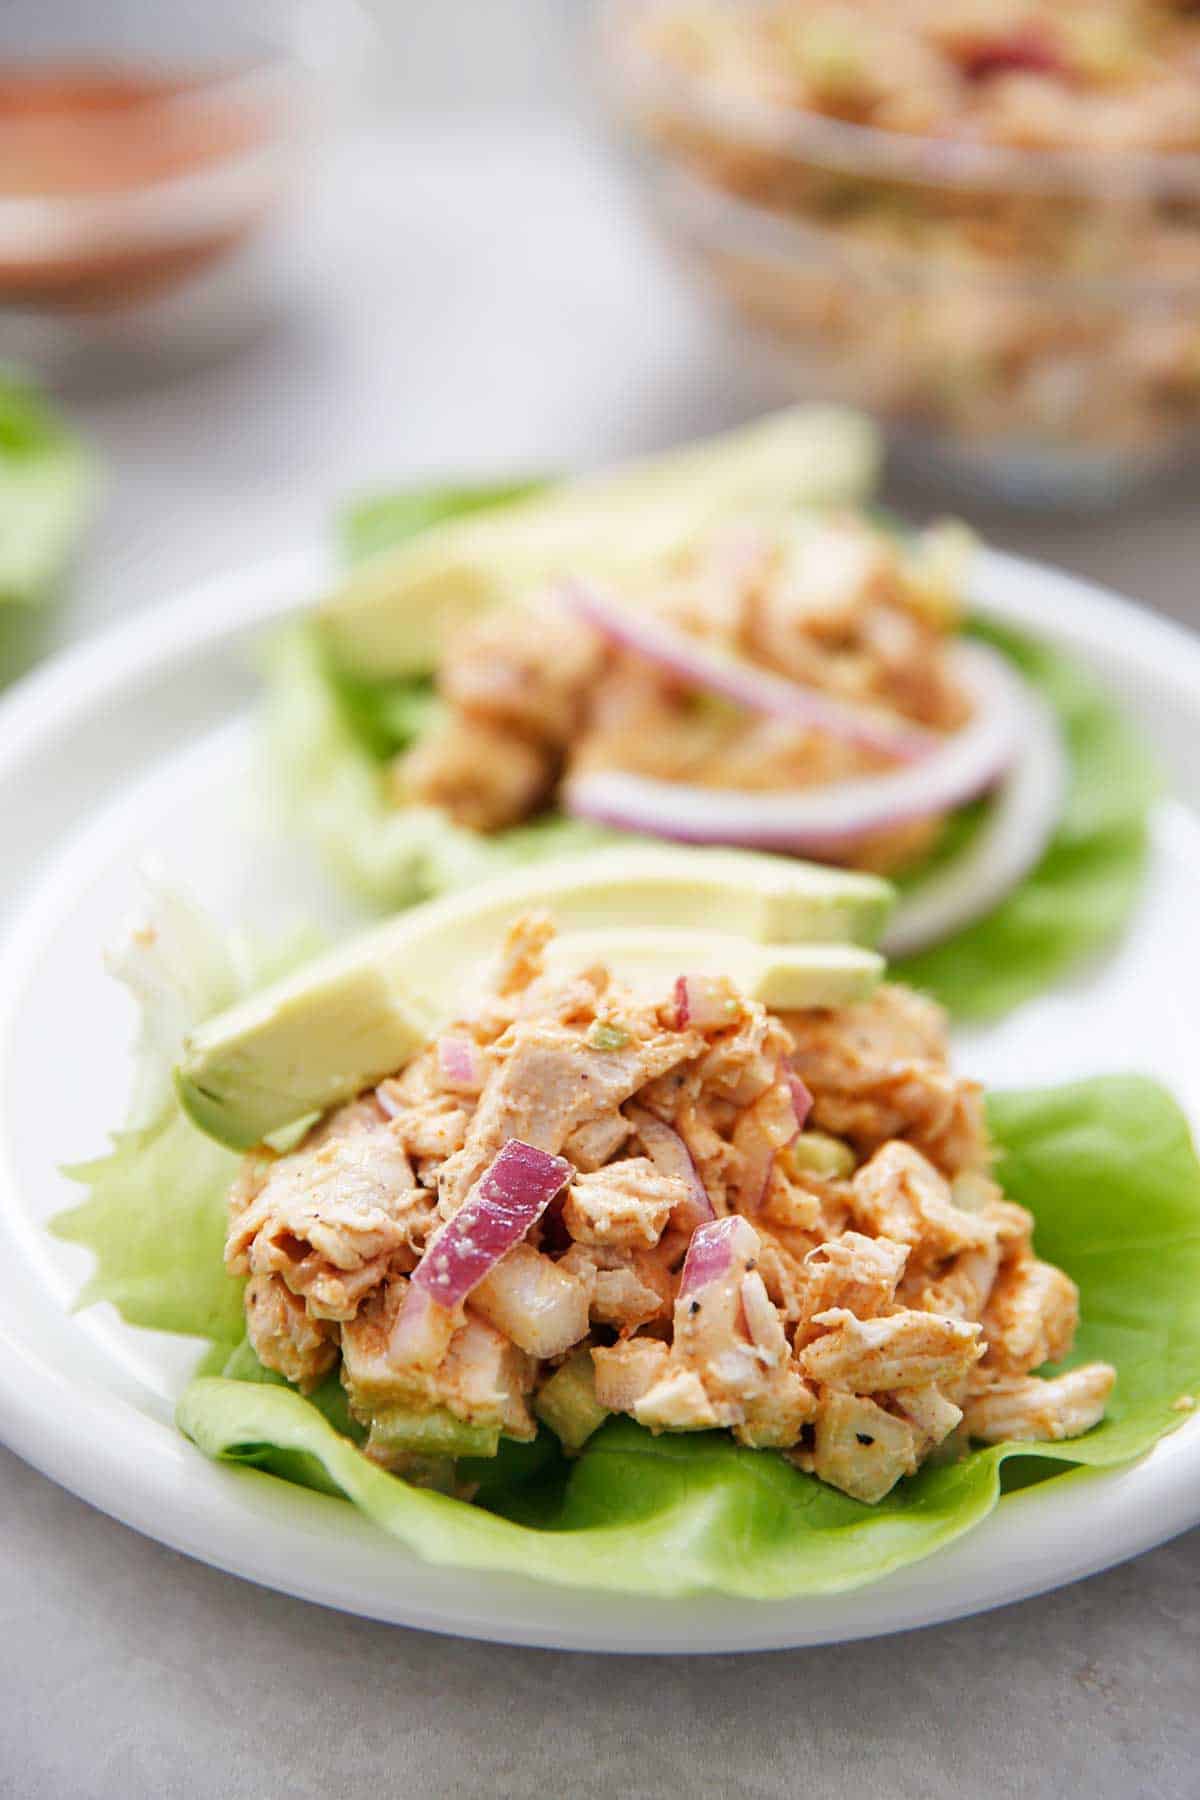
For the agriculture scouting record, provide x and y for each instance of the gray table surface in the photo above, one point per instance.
(484, 296)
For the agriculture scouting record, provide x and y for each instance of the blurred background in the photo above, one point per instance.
(282, 251)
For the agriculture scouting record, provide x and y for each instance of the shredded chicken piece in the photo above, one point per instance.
(878, 1071)
(331, 1217)
(523, 669)
(929, 1411)
(523, 953)
(626, 1204)
(900, 1195)
(1029, 1410)
(596, 1143)
(626, 1371)
(850, 1273)
(481, 775)
(549, 1083)
(901, 1350)
(626, 1288)
(284, 1335)
(1031, 1316)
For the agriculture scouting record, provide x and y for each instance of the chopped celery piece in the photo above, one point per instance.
(568, 1404)
(398, 1432)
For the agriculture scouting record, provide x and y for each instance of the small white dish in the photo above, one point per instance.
(141, 740)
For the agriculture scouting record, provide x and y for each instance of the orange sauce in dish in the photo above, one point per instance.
(84, 131)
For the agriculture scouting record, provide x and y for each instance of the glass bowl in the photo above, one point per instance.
(150, 158)
(1027, 323)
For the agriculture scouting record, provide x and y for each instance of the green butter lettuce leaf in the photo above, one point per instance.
(154, 1215)
(1109, 1170)
(46, 484)
(1077, 900)
(154, 1219)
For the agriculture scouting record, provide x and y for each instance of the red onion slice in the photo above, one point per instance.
(822, 820)
(714, 1249)
(671, 1156)
(802, 1100)
(510, 1196)
(1022, 51)
(1024, 815)
(700, 665)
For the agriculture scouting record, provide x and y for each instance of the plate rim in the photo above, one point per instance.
(216, 1513)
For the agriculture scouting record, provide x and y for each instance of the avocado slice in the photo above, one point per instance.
(394, 611)
(785, 977)
(359, 1012)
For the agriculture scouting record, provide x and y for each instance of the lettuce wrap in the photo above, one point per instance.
(1107, 1167)
(333, 733)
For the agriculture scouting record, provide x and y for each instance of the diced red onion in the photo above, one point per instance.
(671, 1156)
(824, 820)
(713, 1250)
(1023, 51)
(802, 1100)
(458, 1062)
(509, 1197)
(1022, 819)
(705, 1002)
(690, 660)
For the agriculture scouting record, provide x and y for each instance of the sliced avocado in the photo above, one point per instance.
(300, 1045)
(567, 1403)
(785, 977)
(394, 611)
(359, 1012)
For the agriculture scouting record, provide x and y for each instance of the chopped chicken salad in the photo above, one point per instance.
(578, 1201)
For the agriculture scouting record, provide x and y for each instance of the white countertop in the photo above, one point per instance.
(486, 298)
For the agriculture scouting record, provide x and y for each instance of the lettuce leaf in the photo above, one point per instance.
(154, 1215)
(1109, 1170)
(1079, 897)
(46, 481)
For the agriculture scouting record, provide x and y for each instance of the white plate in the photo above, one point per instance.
(141, 740)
